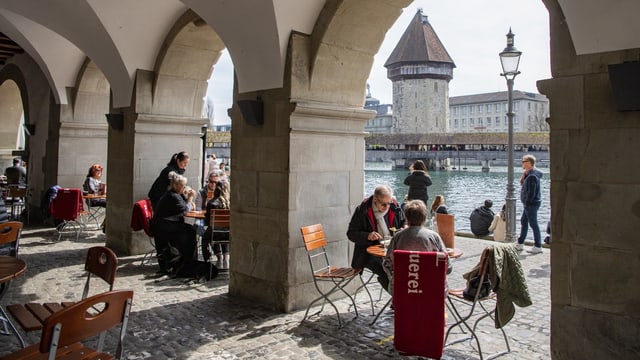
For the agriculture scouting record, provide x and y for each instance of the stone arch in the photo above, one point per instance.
(345, 39)
(84, 126)
(13, 106)
(183, 67)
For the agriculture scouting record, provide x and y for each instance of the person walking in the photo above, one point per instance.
(530, 195)
(418, 181)
(481, 218)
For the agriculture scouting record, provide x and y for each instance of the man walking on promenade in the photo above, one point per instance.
(531, 200)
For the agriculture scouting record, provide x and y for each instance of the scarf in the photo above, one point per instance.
(382, 225)
(524, 175)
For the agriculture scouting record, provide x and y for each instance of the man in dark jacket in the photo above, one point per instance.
(530, 195)
(481, 219)
(377, 217)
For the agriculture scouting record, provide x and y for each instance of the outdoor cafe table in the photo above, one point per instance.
(10, 268)
(93, 210)
(380, 251)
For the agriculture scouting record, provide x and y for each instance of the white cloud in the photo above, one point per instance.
(472, 31)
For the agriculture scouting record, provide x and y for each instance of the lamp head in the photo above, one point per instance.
(510, 58)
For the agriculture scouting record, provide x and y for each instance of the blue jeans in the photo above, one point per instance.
(530, 218)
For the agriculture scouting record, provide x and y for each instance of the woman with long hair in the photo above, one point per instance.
(499, 225)
(221, 251)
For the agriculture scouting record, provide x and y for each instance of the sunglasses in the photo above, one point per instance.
(383, 204)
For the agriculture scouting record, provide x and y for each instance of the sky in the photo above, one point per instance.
(472, 31)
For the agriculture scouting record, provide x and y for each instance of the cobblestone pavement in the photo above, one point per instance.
(179, 319)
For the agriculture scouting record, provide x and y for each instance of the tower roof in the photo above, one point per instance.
(419, 44)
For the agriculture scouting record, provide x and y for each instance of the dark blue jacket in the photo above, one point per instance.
(530, 193)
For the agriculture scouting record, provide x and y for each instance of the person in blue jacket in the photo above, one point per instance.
(530, 196)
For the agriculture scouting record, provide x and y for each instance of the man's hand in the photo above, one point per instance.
(374, 236)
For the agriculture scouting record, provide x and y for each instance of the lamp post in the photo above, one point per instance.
(510, 59)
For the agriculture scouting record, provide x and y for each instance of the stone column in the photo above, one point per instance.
(137, 154)
(595, 197)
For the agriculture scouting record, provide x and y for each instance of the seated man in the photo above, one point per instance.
(481, 219)
(376, 217)
(416, 237)
(16, 174)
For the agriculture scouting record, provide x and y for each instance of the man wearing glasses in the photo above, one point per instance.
(530, 195)
(377, 217)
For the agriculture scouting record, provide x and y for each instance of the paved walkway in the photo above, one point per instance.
(178, 319)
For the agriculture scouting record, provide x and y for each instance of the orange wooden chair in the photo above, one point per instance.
(63, 331)
(446, 229)
(101, 262)
(315, 242)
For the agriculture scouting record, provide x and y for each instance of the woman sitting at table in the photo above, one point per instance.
(93, 185)
(221, 251)
(169, 230)
(415, 238)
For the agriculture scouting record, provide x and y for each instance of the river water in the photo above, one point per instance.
(464, 190)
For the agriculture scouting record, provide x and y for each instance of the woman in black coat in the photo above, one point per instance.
(177, 164)
(418, 181)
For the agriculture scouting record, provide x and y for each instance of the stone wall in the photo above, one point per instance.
(421, 106)
(595, 190)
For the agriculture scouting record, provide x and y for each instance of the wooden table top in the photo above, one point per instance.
(380, 251)
(11, 268)
(94, 196)
(195, 214)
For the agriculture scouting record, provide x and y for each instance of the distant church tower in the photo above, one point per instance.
(420, 69)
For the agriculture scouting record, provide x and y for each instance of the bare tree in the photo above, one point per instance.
(538, 121)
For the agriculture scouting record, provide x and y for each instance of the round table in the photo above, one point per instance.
(380, 251)
(11, 268)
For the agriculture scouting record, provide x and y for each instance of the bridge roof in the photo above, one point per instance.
(519, 138)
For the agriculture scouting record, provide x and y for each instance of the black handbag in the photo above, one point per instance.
(469, 292)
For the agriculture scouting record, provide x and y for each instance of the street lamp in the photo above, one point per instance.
(510, 59)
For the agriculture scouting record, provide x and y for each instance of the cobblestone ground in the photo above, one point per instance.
(179, 319)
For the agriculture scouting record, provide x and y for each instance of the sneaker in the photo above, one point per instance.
(535, 250)
(519, 247)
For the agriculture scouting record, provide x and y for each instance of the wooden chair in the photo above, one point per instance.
(10, 241)
(456, 299)
(17, 201)
(446, 229)
(220, 224)
(63, 331)
(101, 262)
(339, 277)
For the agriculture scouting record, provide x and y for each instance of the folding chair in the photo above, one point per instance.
(140, 219)
(456, 298)
(63, 331)
(68, 207)
(339, 277)
(17, 201)
(101, 262)
(220, 224)
(419, 301)
(10, 242)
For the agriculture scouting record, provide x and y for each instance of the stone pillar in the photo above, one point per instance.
(485, 165)
(594, 162)
(137, 154)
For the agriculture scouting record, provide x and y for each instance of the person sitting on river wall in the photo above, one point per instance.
(481, 219)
